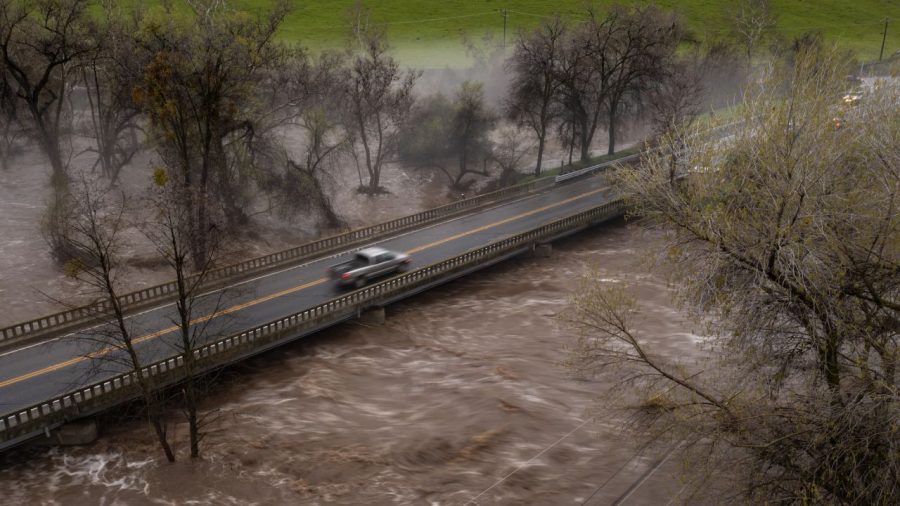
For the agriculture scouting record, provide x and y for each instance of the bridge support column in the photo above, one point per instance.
(373, 316)
(543, 250)
(80, 432)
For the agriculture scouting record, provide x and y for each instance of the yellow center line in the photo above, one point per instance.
(282, 293)
(504, 221)
(147, 337)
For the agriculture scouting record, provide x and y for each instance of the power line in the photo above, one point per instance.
(429, 20)
(417, 21)
(548, 16)
(808, 27)
(606, 482)
(532, 459)
(634, 486)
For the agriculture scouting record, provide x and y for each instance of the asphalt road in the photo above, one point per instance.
(40, 371)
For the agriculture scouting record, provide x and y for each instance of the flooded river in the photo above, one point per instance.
(459, 397)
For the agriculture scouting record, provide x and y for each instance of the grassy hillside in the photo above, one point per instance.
(427, 32)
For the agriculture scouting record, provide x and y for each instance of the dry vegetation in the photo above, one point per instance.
(785, 240)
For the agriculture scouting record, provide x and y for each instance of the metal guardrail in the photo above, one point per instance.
(109, 392)
(722, 130)
(72, 318)
(593, 168)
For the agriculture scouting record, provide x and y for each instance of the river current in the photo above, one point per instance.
(459, 398)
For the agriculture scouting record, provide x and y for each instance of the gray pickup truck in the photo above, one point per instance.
(367, 264)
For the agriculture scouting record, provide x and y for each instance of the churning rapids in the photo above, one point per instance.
(460, 396)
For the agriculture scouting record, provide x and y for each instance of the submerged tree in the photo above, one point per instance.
(10, 128)
(202, 92)
(786, 237)
(472, 123)
(40, 44)
(451, 136)
(94, 237)
(309, 92)
(197, 316)
(109, 77)
(508, 154)
(377, 97)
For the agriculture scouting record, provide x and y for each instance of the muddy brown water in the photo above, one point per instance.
(459, 396)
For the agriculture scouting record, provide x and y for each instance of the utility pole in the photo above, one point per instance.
(880, 55)
(505, 14)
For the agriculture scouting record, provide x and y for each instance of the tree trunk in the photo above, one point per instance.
(331, 217)
(59, 179)
(463, 165)
(375, 180)
(5, 145)
(612, 131)
(572, 144)
(49, 142)
(585, 144)
(373, 171)
(160, 429)
(540, 155)
(190, 401)
(199, 233)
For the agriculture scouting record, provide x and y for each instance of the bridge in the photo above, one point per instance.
(50, 373)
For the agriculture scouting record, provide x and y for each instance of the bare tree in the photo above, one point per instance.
(676, 99)
(582, 91)
(201, 95)
(509, 152)
(607, 64)
(631, 48)
(723, 75)
(94, 236)
(785, 241)
(359, 24)
(41, 43)
(311, 84)
(169, 229)
(322, 142)
(472, 123)
(535, 84)
(443, 134)
(109, 75)
(10, 128)
(752, 21)
(377, 98)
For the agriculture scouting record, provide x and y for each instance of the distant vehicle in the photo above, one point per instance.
(368, 263)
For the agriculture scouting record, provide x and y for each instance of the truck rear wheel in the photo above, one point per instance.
(360, 282)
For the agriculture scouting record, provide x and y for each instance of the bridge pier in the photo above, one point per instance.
(373, 316)
(79, 432)
(543, 250)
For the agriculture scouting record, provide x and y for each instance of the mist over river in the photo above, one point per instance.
(461, 395)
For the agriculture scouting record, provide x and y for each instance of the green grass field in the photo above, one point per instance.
(427, 33)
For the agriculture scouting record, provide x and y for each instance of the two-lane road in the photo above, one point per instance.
(35, 373)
